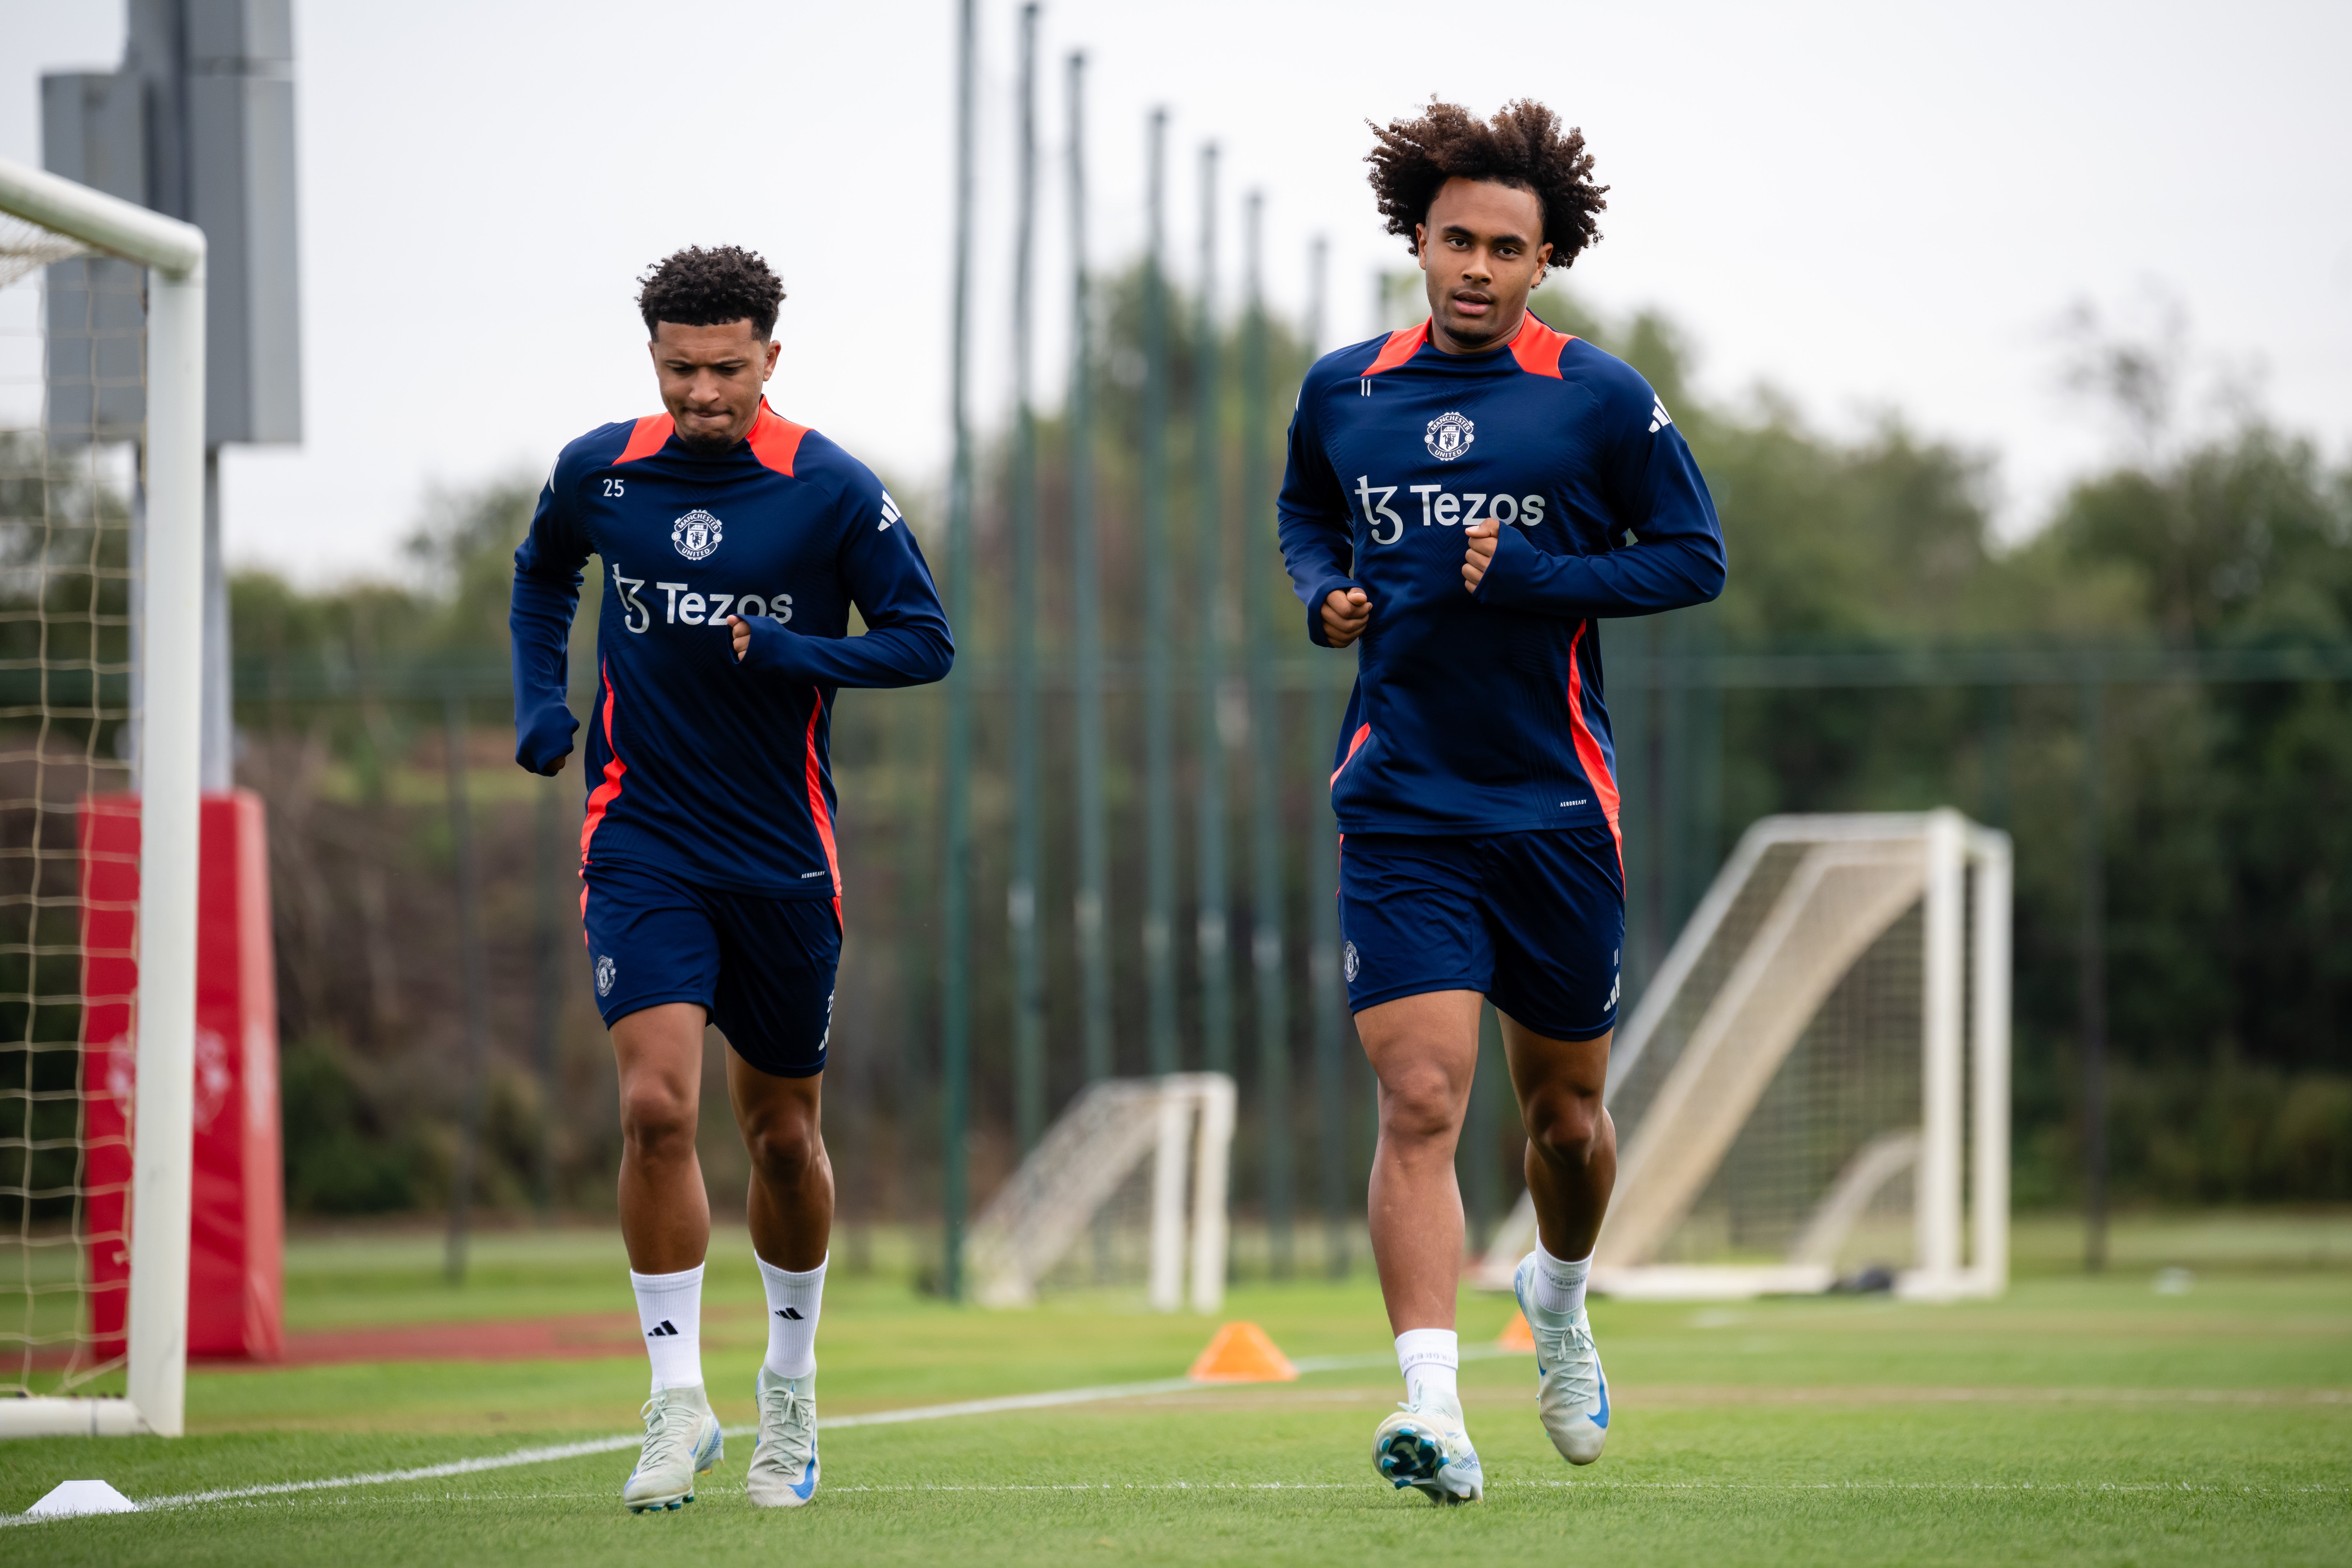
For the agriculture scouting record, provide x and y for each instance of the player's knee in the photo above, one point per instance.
(1565, 1128)
(1418, 1106)
(657, 1120)
(784, 1150)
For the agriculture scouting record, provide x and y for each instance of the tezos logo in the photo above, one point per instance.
(1349, 962)
(1448, 437)
(696, 534)
(605, 969)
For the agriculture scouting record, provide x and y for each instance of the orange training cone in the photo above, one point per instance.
(1518, 1336)
(1241, 1353)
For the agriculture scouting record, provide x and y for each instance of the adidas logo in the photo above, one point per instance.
(1659, 418)
(665, 1329)
(890, 513)
(791, 1312)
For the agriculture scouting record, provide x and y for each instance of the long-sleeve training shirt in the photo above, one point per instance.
(1481, 712)
(700, 766)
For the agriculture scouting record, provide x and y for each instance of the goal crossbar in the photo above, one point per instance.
(171, 610)
(1856, 876)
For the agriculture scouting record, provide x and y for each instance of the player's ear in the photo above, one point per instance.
(1421, 246)
(774, 348)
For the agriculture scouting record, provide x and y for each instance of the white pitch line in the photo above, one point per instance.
(551, 1452)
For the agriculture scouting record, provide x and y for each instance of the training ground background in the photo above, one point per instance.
(2078, 1420)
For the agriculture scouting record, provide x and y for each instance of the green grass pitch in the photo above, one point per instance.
(2076, 1421)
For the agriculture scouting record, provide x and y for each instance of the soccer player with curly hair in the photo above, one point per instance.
(734, 544)
(1466, 502)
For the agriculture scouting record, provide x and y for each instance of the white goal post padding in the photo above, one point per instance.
(1798, 906)
(1183, 1123)
(57, 217)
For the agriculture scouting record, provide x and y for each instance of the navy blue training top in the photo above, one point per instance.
(1481, 712)
(699, 765)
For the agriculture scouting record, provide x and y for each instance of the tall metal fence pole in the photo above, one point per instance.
(1159, 654)
(1208, 543)
(2093, 981)
(1322, 896)
(1271, 978)
(1021, 897)
(1093, 907)
(473, 980)
(955, 893)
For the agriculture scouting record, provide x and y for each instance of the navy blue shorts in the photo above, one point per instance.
(1535, 920)
(762, 968)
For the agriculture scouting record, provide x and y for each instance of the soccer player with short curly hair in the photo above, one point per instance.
(735, 544)
(1466, 500)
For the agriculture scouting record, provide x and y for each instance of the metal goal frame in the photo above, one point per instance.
(170, 607)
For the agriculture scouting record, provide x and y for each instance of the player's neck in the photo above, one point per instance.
(1448, 342)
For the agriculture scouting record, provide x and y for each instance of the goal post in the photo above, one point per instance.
(56, 218)
(1816, 1082)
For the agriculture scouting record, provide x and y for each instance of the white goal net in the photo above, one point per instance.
(76, 322)
(1126, 1189)
(1814, 1092)
(101, 424)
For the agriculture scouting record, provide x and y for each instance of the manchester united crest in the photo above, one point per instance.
(696, 534)
(1448, 437)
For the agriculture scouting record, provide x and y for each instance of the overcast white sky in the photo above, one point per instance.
(1867, 205)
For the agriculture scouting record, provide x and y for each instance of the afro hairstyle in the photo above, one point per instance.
(1523, 146)
(699, 288)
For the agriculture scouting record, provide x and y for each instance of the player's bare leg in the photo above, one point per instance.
(1571, 1166)
(664, 1210)
(666, 1224)
(1423, 1050)
(1572, 1162)
(791, 1202)
(791, 1212)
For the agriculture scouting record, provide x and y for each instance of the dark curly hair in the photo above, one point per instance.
(699, 288)
(1522, 146)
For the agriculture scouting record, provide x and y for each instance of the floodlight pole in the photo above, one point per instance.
(1208, 543)
(1021, 897)
(1092, 909)
(1272, 979)
(955, 893)
(1159, 719)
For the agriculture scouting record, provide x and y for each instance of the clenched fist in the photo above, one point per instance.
(1345, 613)
(1481, 536)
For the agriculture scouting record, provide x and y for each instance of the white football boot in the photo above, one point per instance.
(1571, 1392)
(784, 1465)
(682, 1441)
(1424, 1445)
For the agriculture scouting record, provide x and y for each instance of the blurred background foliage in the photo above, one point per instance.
(2226, 808)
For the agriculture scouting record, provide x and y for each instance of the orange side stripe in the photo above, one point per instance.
(646, 439)
(1363, 733)
(606, 792)
(818, 814)
(1588, 748)
(1402, 344)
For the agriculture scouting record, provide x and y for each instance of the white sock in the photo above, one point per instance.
(669, 1309)
(793, 1302)
(1429, 1357)
(1559, 1286)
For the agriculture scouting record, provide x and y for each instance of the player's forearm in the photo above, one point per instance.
(911, 653)
(539, 626)
(1656, 575)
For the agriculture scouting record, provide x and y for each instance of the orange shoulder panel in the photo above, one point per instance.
(646, 439)
(1402, 344)
(775, 440)
(1538, 348)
